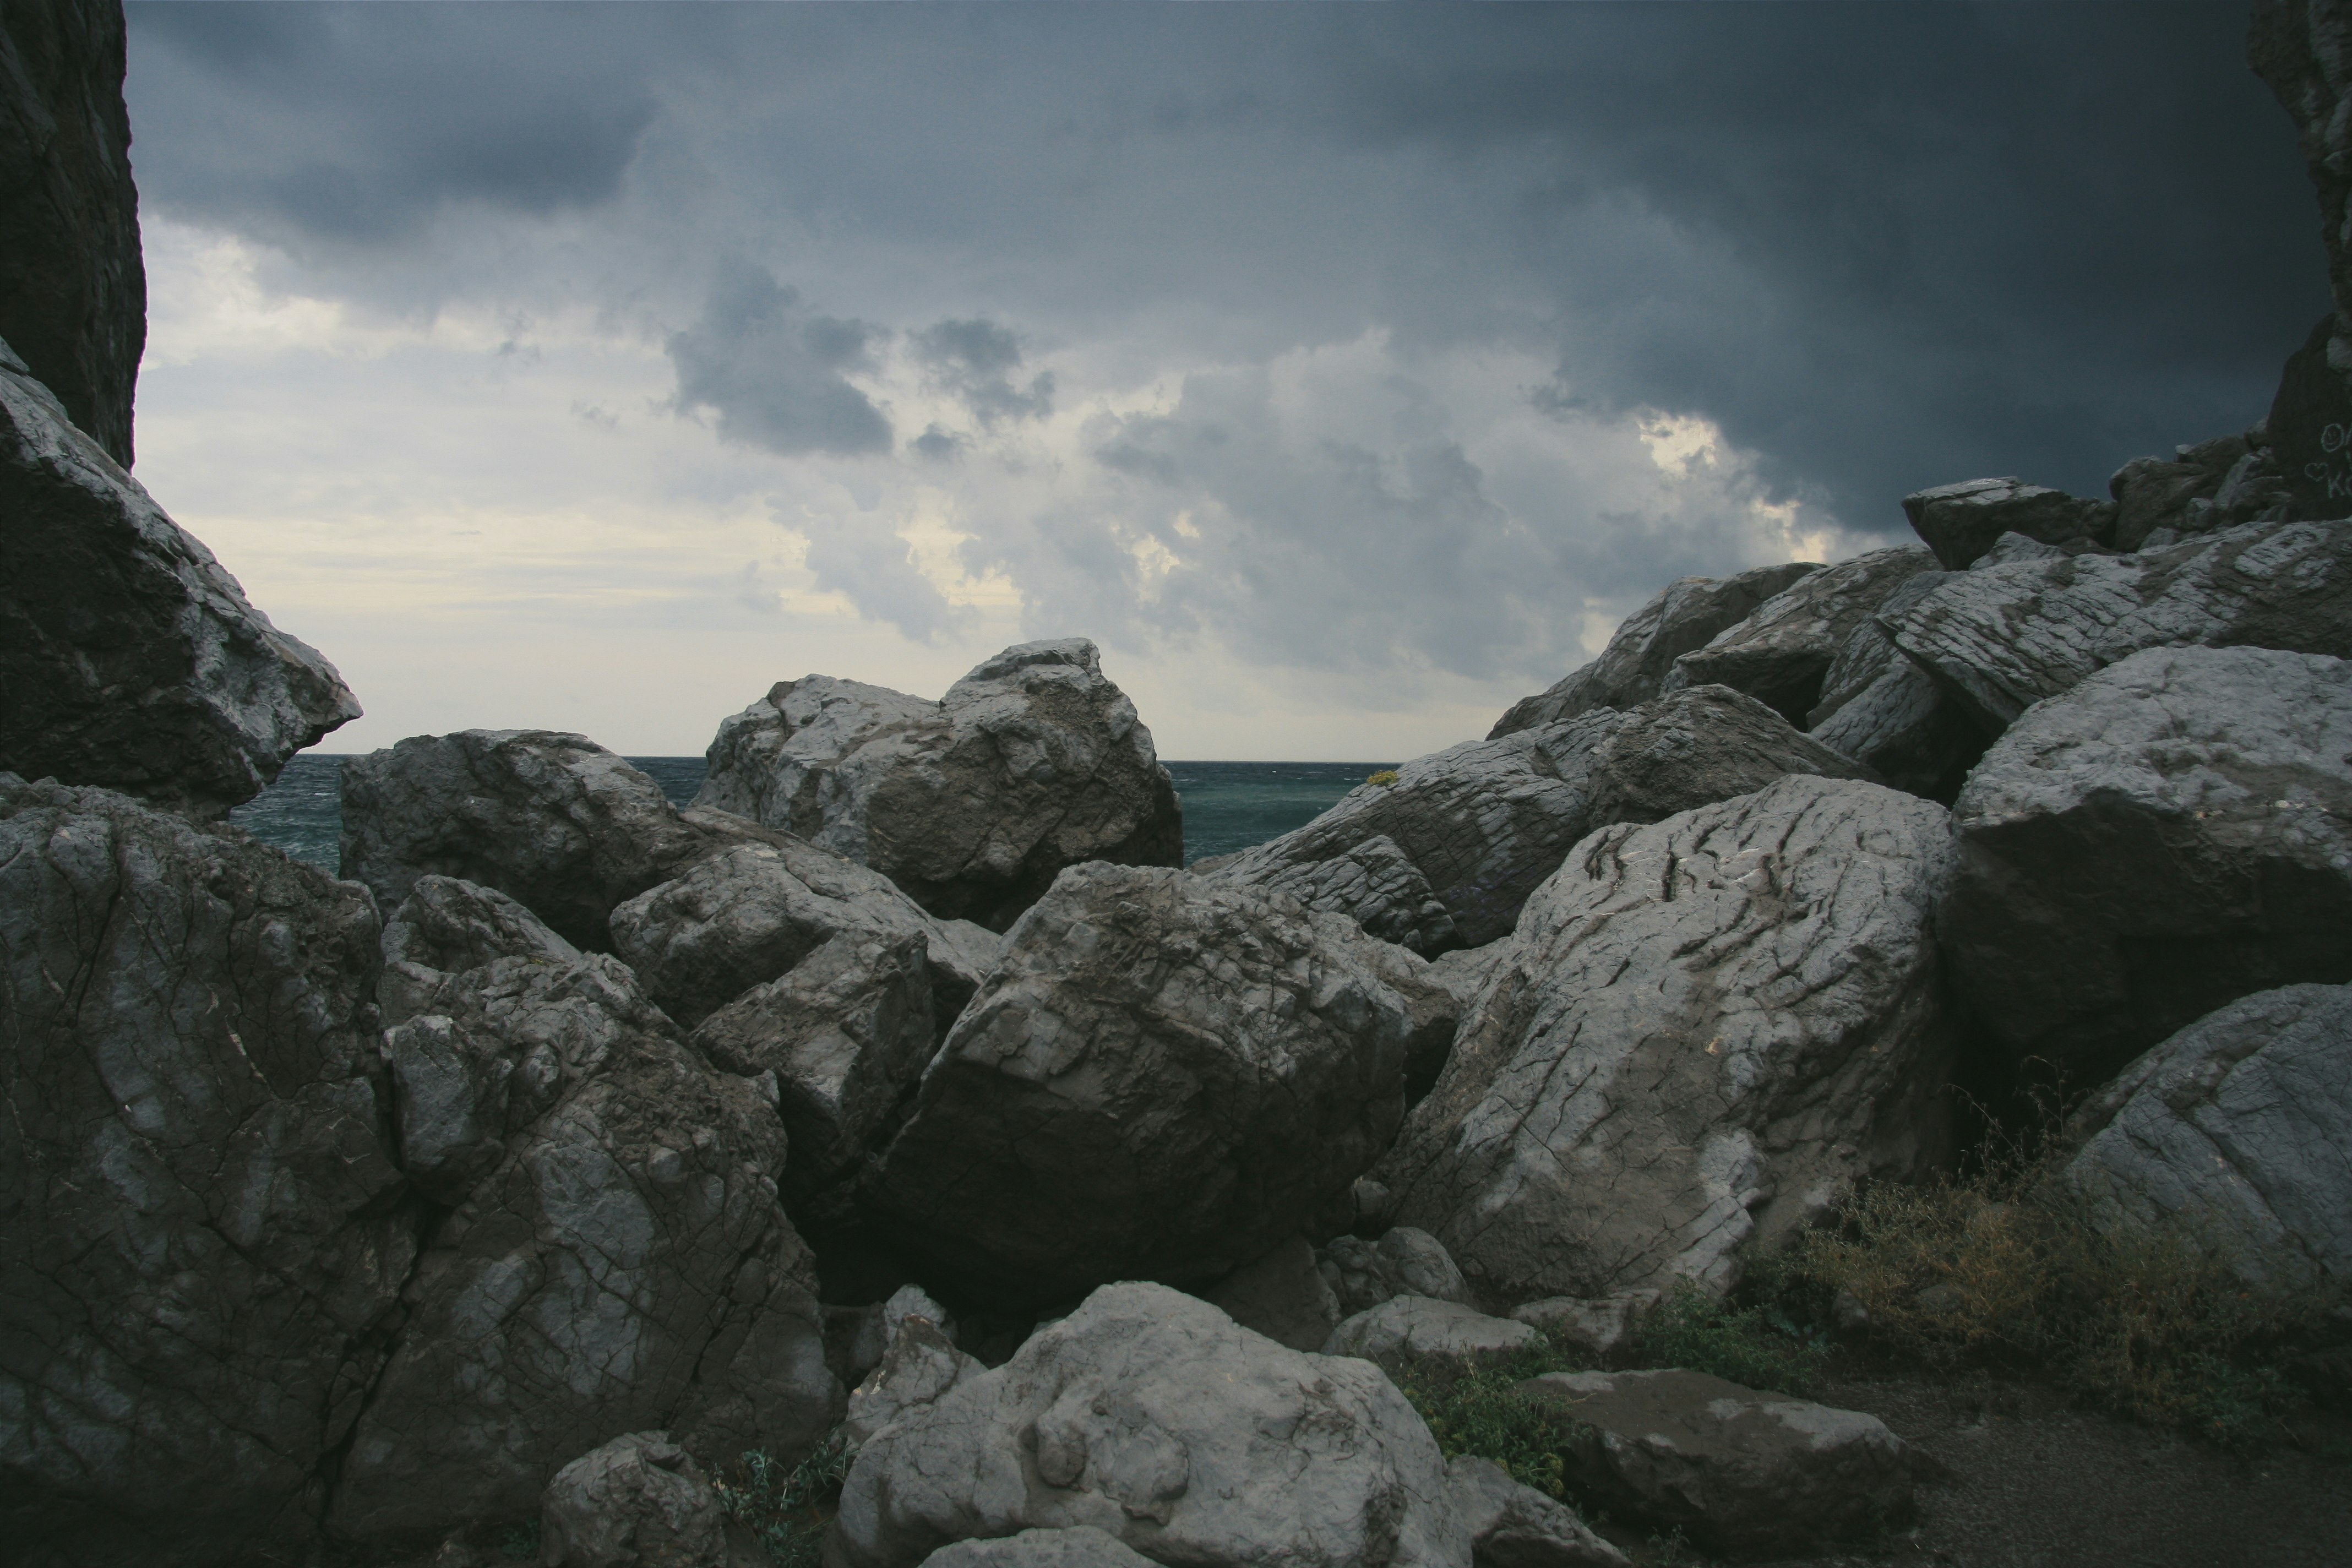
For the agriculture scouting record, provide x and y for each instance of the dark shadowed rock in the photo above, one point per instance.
(203, 1238)
(1164, 1076)
(2299, 48)
(2231, 1133)
(1734, 1470)
(1156, 1418)
(129, 657)
(73, 289)
(639, 1501)
(1781, 654)
(972, 804)
(2309, 432)
(554, 820)
(1702, 1030)
(1632, 668)
(1404, 1262)
(2174, 832)
(1515, 1526)
(1960, 521)
(616, 1260)
(1447, 855)
(1886, 712)
(1602, 1329)
(2002, 638)
(1282, 1296)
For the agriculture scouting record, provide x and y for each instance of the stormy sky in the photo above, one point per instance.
(1345, 371)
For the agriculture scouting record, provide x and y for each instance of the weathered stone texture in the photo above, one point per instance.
(1780, 653)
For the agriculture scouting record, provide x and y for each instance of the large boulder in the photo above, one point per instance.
(554, 820)
(73, 289)
(129, 657)
(614, 1258)
(1886, 712)
(1703, 1030)
(1632, 667)
(1165, 1076)
(203, 1233)
(1282, 1295)
(1404, 1262)
(2002, 638)
(1961, 522)
(752, 912)
(2173, 833)
(1154, 1417)
(639, 1501)
(1419, 1326)
(2232, 1133)
(1445, 856)
(1732, 1468)
(1781, 654)
(972, 804)
(1516, 1526)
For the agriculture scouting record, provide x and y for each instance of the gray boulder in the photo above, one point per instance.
(204, 1239)
(615, 1260)
(554, 820)
(2165, 499)
(1886, 712)
(2003, 639)
(1404, 1262)
(1703, 1030)
(129, 657)
(2232, 1135)
(1282, 1296)
(972, 804)
(1154, 1417)
(1602, 1329)
(639, 1501)
(1734, 1470)
(447, 926)
(1781, 654)
(1083, 1547)
(1632, 667)
(73, 291)
(2172, 833)
(1516, 1526)
(1447, 855)
(921, 1365)
(751, 912)
(1961, 522)
(1164, 1076)
(1416, 1325)
(879, 1324)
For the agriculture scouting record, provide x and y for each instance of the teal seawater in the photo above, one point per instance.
(1227, 805)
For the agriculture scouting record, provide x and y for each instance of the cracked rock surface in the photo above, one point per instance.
(1633, 667)
(1154, 1417)
(2236, 1125)
(1703, 1028)
(202, 1232)
(1165, 1076)
(1446, 856)
(972, 804)
(1781, 653)
(129, 657)
(615, 1260)
(2172, 833)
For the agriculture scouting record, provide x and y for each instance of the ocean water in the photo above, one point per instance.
(1227, 805)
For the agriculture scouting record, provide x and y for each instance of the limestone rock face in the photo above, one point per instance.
(129, 657)
(1632, 667)
(2003, 639)
(1781, 654)
(1961, 522)
(639, 1501)
(1447, 855)
(972, 804)
(203, 1238)
(616, 1260)
(73, 289)
(921, 1365)
(554, 820)
(1703, 1028)
(751, 913)
(2172, 833)
(1154, 1417)
(1515, 1526)
(1165, 1076)
(1736, 1470)
(1416, 1325)
(2236, 1127)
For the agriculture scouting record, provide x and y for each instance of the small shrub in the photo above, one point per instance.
(1758, 1346)
(1383, 778)
(1474, 1406)
(787, 1508)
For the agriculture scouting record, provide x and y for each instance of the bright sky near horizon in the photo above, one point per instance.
(1346, 373)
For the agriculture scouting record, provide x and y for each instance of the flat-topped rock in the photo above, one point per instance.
(1421, 1326)
(1961, 522)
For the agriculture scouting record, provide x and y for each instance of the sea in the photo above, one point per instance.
(1227, 805)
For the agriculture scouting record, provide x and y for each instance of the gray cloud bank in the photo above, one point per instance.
(1879, 246)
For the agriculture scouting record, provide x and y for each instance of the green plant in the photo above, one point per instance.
(1473, 1405)
(1759, 1346)
(1383, 778)
(521, 1542)
(787, 1508)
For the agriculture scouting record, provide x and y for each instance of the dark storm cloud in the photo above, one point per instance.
(976, 360)
(771, 369)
